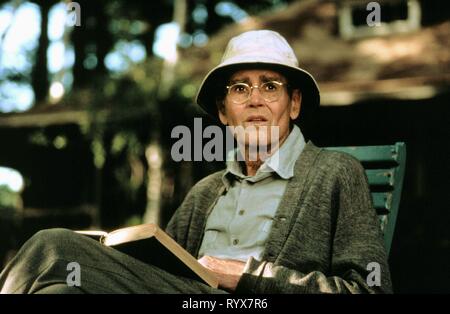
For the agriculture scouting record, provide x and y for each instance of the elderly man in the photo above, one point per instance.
(297, 219)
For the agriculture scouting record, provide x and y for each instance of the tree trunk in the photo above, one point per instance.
(156, 174)
(39, 76)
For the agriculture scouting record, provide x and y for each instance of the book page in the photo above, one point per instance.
(128, 234)
(93, 233)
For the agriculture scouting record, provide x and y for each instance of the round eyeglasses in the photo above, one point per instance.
(240, 93)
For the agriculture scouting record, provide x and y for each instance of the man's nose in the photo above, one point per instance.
(256, 98)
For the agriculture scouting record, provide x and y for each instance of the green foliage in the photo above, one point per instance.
(39, 138)
(9, 198)
(133, 221)
(98, 151)
(126, 140)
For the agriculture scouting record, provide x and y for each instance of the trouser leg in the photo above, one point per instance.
(42, 265)
(59, 288)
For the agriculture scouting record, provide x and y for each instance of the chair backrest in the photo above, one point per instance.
(385, 170)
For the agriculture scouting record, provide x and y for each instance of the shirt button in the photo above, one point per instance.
(241, 212)
(235, 241)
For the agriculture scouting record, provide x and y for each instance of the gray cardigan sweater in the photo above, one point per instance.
(324, 235)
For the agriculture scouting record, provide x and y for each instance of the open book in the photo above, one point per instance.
(150, 244)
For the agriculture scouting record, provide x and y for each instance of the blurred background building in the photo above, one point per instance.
(88, 102)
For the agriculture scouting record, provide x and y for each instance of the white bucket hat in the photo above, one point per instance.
(258, 49)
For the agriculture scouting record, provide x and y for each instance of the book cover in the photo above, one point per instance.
(151, 245)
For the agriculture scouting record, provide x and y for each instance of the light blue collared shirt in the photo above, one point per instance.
(240, 221)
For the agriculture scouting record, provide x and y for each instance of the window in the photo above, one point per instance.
(359, 19)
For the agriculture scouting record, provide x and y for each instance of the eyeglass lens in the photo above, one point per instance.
(240, 92)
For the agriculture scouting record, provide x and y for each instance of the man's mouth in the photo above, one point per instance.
(256, 119)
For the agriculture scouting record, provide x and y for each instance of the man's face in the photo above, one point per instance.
(257, 111)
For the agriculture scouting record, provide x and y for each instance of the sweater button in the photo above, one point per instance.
(235, 241)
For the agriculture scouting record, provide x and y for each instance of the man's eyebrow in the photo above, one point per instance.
(262, 78)
(239, 80)
(265, 78)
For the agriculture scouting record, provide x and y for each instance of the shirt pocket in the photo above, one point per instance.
(263, 231)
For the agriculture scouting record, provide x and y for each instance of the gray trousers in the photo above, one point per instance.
(41, 266)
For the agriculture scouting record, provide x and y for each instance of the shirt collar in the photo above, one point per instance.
(282, 162)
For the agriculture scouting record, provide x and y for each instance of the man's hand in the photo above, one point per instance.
(228, 271)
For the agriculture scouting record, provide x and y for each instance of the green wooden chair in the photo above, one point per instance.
(385, 169)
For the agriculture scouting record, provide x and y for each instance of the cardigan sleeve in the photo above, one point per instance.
(186, 224)
(178, 225)
(356, 242)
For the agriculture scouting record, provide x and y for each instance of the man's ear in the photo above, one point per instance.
(296, 103)
(221, 110)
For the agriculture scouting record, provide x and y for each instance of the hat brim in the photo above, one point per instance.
(214, 83)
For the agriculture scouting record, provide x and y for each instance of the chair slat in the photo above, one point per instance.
(382, 201)
(385, 168)
(380, 177)
(368, 154)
